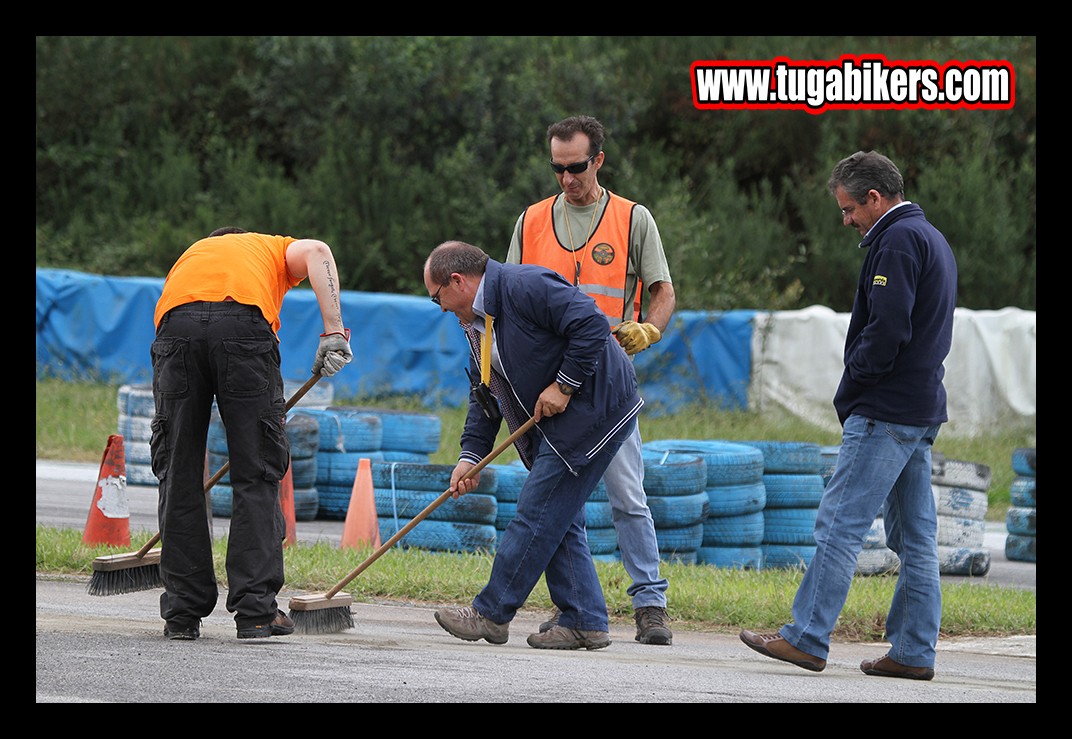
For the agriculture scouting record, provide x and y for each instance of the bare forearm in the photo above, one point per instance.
(313, 259)
(661, 307)
(324, 279)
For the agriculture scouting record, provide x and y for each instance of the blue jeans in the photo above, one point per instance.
(547, 535)
(624, 479)
(881, 466)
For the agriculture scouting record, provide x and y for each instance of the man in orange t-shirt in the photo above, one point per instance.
(217, 323)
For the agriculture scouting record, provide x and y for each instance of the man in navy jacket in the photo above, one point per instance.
(891, 404)
(552, 359)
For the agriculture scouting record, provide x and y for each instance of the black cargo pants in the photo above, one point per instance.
(229, 352)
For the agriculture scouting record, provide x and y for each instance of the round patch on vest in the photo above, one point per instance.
(603, 253)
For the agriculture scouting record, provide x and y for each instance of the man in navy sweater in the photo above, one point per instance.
(891, 404)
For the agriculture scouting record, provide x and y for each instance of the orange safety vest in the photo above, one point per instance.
(600, 267)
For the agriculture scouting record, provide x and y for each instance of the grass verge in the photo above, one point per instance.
(702, 597)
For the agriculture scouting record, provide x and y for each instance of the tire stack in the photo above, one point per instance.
(405, 489)
(676, 488)
(345, 438)
(960, 494)
(304, 435)
(1020, 518)
(792, 477)
(407, 436)
(136, 411)
(731, 533)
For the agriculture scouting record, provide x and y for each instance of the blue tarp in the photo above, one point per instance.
(93, 327)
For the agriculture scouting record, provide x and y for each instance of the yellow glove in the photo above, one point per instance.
(636, 337)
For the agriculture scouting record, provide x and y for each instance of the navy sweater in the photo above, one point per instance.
(901, 326)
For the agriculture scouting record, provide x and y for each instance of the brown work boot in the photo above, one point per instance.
(774, 646)
(885, 666)
(559, 637)
(467, 623)
(653, 626)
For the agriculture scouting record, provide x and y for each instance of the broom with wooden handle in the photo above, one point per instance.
(133, 572)
(328, 613)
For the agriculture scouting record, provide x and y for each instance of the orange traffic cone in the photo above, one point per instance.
(362, 527)
(109, 514)
(286, 501)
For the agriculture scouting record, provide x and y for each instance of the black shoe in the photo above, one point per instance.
(281, 625)
(182, 631)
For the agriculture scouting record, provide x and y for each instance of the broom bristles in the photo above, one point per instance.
(131, 580)
(116, 574)
(323, 621)
(321, 614)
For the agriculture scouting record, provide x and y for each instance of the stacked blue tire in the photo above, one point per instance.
(351, 433)
(405, 489)
(1020, 518)
(731, 533)
(136, 411)
(676, 489)
(792, 478)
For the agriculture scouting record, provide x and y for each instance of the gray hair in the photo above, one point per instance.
(865, 171)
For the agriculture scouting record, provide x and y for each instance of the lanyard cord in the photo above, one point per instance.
(569, 230)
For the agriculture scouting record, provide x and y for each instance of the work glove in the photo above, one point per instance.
(333, 354)
(636, 337)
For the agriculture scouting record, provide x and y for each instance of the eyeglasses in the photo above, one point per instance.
(435, 298)
(848, 211)
(575, 168)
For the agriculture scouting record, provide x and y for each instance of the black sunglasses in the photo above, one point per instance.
(575, 168)
(435, 298)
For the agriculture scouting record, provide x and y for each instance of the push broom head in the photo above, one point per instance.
(321, 614)
(125, 573)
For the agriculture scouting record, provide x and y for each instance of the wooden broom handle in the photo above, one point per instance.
(431, 507)
(298, 395)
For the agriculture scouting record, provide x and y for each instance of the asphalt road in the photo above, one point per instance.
(111, 649)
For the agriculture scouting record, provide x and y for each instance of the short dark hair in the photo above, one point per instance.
(227, 230)
(455, 256)
(585, 124)
(865, 171)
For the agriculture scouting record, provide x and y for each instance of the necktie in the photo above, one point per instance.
(511, 409)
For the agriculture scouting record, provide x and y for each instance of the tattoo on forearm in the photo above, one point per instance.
(332, 291)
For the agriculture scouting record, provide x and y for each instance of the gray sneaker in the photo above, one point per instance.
(653, 626)
(559, 637)
(551, 622)
(466, 623)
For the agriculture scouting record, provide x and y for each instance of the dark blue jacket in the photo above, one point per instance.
(546, 329)
(901, 325)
